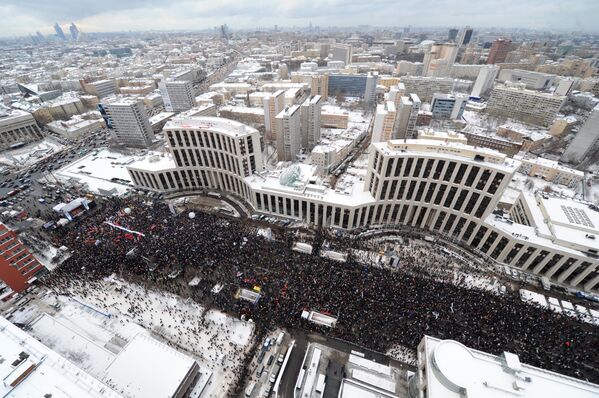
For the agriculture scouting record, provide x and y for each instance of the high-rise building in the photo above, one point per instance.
(499, 50)
(448, 106)
(59, 32)
(370, 90)
(341, 52)
(310, 121)
(465, 36)
(585, 141)
(288, 132)
(18, 267)
(17, 127)
(384, 122)
(128, 120)
(273, 105)
(406, 116)
(40, 37)
(74, 31)
(449, 369)
(527, 106)
(177, 95)
(484, 81)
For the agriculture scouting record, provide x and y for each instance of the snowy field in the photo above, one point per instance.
(91, 329)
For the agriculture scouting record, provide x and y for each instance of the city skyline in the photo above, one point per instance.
(32, 15)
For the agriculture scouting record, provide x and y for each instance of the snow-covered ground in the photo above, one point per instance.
(97, 321)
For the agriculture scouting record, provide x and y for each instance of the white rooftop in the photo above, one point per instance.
(454, 370)
(148, 368)
(217, 124)
(42, 372)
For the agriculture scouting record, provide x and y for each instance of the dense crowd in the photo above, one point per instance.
(376, 307)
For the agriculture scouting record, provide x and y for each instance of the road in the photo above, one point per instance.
(26, 178)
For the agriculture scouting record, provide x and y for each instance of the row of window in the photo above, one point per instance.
(189, 179)
(437, 169)
(447, 223)
(208, 139)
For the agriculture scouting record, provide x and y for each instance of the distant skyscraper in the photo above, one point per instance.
(59, 32)
(498, 51)
(74, 31)
(465, 36)
(40, 36)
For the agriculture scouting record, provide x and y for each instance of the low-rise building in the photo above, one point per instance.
(449, 369)
(17, 127)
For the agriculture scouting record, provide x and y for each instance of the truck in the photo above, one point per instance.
(250, 389)
(282, 355)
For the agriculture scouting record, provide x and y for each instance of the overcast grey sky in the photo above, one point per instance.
(21, 17)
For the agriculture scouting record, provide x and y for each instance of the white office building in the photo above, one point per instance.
(273, 104)
(341, 52)
(128, 120)
(484, 81)
(288, 132)
(406, 116)
(384, 122)
(177, 95)
(310, 121)
(449, 369)
(585, 141)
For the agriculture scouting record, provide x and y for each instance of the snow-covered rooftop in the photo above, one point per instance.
(148, 368)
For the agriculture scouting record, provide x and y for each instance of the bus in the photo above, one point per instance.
(300, 379)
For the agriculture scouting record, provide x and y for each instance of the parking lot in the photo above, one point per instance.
(20, 189)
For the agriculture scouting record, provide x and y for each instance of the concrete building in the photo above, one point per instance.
(425, 87)
(384, 122)
(370, 89)
(18, 267)
(407, 116)
(528, 106)
(310, 112)
(493, 141)
(447, 106)
(586, 141)
(341, 52)
(17, 127)
(484, 81)
(549, 170)
(31, 369)
(273, 105)
(128, 120)
(101, 88)
(499, 50)
(363, 86)
(204, 153)
(438, 59)
(177, 95)
(288, 133)
(76, 128)
(410, 68)
(449, 369)
(533, 80)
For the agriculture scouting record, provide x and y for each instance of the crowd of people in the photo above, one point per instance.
(376, 307)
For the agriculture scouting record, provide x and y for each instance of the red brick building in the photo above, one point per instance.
(17, 265)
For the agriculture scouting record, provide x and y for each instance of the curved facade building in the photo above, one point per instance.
(437, 184)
